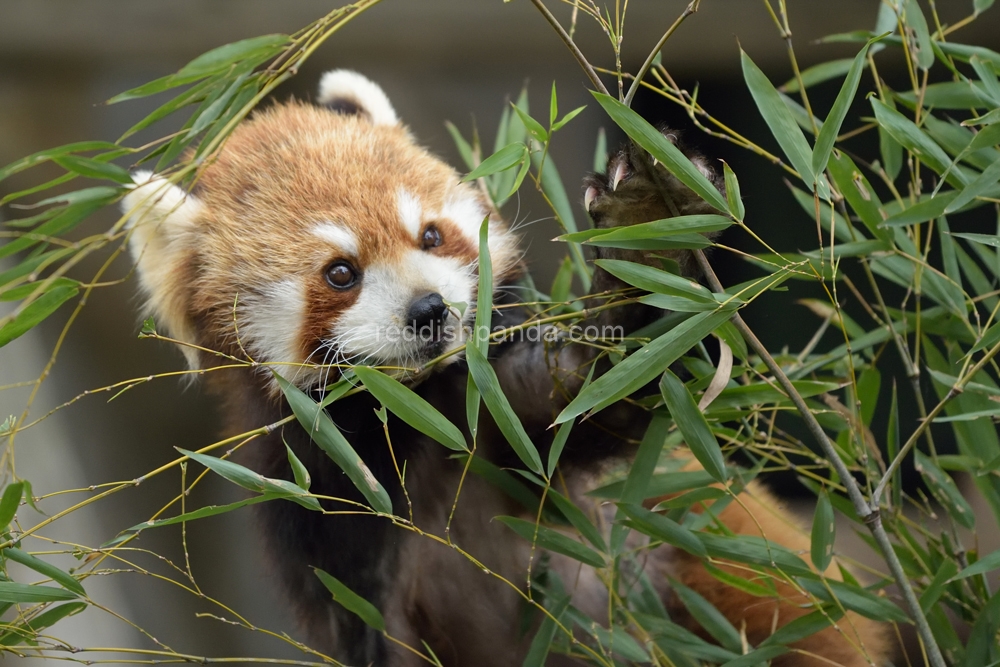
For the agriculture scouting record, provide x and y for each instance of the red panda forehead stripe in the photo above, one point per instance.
(338, 235)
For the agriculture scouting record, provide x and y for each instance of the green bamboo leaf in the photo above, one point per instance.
(858, 192)
(710, 618)
(325, 434)
(915, 140)
(655, 280)
(561, 123)
(733, 198)
(661, 148)
(636, 484)
(553, 105)
(644, 365)
(803, 627)
(755, 551)
(23, 291)
(463, 147)
(51, 153)
(982, 566)
(9, 503)
(662, 528)
(824, 531)
(578, 519)
(976, 188)
(944, 490)
(691, 422)
(541, 643)
(818, 74)
(988, 76)
(601, 151)
(981, 646)
(890, 149)
(980, 6)
(254, 48)
(952, 95)
(778, 119)
(915, 19)
(64, 579)
(483, 321)
(252, 481)
(892, 447)
(831, 126)
(558, 443)
(351, 601)
(31, 593)
(498, 405)
(856, 599)
(35, 312)
(160, 85)
(758, 656)
(27, 630)
(992, 240)
(303, 480)
(932, 593)
(521, 173)
(562, 283)
(681, 225)
(534, 128)
(507, 157)
(91, 168)
(411, 408)
(922, 211)
(203, 512)
(553, 540)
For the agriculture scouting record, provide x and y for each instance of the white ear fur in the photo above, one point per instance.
(347, 86)
(162, 217)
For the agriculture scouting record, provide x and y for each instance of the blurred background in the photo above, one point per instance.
(438, 60)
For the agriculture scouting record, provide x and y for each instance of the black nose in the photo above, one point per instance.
(427, 311)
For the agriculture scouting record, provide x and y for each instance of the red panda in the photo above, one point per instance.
(318, 236)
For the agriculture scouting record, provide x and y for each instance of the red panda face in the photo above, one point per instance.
(317, 238)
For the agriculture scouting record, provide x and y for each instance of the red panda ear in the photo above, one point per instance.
(162, 220)
(350, 93)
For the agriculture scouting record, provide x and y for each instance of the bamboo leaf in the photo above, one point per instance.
(818, 74)
(831, 126)
(778, 119)
(662, 149)
(30, 593)
(655, 280)
(692, 424)
(976, 188)
(498, 405)
(945, 490)
(710, 618)
(915, 19)
(35, 312)
(824, 531)
(91, 168)
(643, 365)
(733, 198)
(303, 479)
(64, 579)
(28, 629)
(351, 601)
(328, 437)
(507, 157)
(411, 408)
(550, 539)
(915, 140)
(9, 503)
(203, 512)
(662, 528)
(254, 49)
(252, 481)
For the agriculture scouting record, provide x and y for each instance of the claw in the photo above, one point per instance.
(589, 197)
(621, 171)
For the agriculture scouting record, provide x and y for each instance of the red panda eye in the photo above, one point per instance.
(431, 238)
(341, 275)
